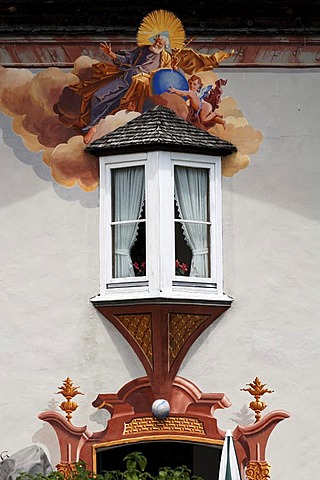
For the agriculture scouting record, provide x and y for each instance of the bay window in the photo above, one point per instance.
(161, 226)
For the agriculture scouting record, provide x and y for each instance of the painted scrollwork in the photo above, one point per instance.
(258, 471)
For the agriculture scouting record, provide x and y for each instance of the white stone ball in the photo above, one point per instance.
(160, 408)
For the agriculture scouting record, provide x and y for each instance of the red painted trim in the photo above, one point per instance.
(188, 404)
(250, 52)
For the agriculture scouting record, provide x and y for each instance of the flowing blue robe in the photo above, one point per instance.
(107, 98)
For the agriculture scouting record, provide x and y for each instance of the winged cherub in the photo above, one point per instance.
(203, 101)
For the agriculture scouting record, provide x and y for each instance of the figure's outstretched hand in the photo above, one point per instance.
(106, 48)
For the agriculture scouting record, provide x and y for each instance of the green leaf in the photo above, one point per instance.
(136, 464)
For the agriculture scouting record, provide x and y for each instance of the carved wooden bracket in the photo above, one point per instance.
(161, 335)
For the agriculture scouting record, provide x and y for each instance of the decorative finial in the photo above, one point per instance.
(69, 391)
(257, 390)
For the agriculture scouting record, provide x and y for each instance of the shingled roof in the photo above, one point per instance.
(159, 129)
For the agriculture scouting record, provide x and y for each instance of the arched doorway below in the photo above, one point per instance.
(202, 459)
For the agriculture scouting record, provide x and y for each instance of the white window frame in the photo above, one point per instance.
(215, 218)
(160, 279)
(107, 281)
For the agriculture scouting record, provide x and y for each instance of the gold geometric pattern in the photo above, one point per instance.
(67, 469)
(257, 470)
(139, 327)
(170, 424)
(181, 327)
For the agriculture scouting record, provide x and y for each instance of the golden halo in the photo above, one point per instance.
(161, 22)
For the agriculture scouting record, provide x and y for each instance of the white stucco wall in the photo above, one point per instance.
(49, 270)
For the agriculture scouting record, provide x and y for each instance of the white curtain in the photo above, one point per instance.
(191, 192)
(128, 184)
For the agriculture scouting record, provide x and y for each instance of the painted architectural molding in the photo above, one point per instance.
(191, 419)
(251, 52)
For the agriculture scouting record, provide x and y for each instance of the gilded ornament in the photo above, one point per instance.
(66, 469)
(257, 471)
(69, 391)
(256, 389)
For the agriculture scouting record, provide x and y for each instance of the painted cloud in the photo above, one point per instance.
(30, 100)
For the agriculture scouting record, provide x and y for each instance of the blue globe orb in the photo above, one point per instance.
(160, 409)
(163, 79)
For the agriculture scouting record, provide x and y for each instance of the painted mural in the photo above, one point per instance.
(58, 112)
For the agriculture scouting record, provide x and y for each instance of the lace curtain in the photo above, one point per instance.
(191, 192)
(128, 187)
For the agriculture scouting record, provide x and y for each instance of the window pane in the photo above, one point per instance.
(183, 253)
(192, 193)
(193, 262)
(138, 251)
(136, 266)
(127, 208)
(192, 198)
(127, 193)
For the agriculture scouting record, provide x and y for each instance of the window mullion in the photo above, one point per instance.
(181, 220)
(123, 222)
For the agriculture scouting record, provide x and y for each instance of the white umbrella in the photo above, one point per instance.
(229, 468)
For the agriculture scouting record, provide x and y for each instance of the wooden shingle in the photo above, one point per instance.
(159, 129)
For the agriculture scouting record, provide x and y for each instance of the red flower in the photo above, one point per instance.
(181, 268)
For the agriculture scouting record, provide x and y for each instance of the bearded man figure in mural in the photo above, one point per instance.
(135, 67)
(123, 82)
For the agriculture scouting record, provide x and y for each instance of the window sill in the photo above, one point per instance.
(193, 284)
(180, 295)
(137, 284)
